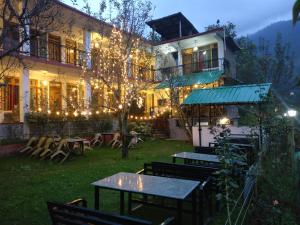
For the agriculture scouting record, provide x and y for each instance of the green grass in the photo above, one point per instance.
(26, 184)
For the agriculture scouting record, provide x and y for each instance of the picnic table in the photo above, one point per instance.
(72, 142)
(196, 157)
(172, 188)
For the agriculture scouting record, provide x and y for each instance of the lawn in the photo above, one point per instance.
(26, 184)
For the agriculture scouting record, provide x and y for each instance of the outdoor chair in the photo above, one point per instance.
(50, 151)
(115, 142)
(40, 144)
(48, 144)
(86, 143)
(97, 140)
(134, 139)
(76, 212)
(64, 151)
(30, 144)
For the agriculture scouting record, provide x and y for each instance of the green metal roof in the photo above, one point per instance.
(229, 95)
(191, 79)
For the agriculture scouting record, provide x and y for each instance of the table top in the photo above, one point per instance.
(71, 140)
(151, 185)
(197, 156)
(107, 133)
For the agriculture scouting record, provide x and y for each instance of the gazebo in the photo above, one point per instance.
(252, 94)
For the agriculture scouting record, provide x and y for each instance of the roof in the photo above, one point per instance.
(229, 95)
(205, 77)
(168, 27)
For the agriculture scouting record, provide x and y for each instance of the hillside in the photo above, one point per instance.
(290, 34)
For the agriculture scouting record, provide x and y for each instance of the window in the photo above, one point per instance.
(11, 37)
(9, 95)
(55, 96)
(38, 45)
(54, 47)
(205, 57)
(72, 96)
(71, 51)
(34, 95)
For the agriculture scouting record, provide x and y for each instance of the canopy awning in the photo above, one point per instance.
(191, 79)
(229, 95)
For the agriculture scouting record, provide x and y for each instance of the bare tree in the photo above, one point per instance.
(121, 59)
(17, 19)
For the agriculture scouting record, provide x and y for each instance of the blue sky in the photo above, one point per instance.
(249, 16)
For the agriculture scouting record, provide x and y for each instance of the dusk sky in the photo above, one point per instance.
(249, 16)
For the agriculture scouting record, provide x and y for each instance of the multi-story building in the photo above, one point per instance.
(53, 65)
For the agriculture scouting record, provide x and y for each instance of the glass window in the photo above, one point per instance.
(54, 47)
(34, 95)
(55, 96)
(9, 95)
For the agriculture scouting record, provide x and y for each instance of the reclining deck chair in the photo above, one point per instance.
(50, 151)
(115, 142)
(32, 142)
(48, 144)
(64, 151)
(40, 144)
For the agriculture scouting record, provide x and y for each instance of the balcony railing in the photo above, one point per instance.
(59, 53)
(195, 67)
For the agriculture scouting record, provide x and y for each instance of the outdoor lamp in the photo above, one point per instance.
(224, 121)
(291, 113)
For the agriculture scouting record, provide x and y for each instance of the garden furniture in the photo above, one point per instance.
(40, 144)
(48, 144)
(76, 212)
(191, 156)
(163, 187)
(50, 151)
(116, 142)
(30, 144)
(97, 140)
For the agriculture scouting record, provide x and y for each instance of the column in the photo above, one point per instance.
(24, 99)
(221, 54)
(180, 62)
(63, 50)
(87, 94)
(87, 47)
(64, 95)
(158, 75)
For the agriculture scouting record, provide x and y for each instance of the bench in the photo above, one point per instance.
(205, 150)
(183, 171)
(77, 213)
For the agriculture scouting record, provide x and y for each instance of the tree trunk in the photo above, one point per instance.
(123, 124)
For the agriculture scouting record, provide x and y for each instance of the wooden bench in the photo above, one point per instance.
(77, 213)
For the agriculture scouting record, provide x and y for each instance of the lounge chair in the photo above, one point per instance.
(40, 144)
(134, 139)
(64, 151)
(32, 142)
(48, 144)
(97, 140)
(115, 142)
(50, 151)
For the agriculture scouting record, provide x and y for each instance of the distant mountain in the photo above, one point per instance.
(290, 34)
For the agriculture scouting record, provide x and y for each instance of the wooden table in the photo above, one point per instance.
(196, 157)
(71, 144)
(172, 188)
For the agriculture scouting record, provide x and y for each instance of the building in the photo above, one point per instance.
(51, 79)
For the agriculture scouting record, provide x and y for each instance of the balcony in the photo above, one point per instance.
(195, 67)
(58, 53)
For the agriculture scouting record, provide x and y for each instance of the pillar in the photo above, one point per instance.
(87, 47)
(87, 94)
(64, 95)
(63, 50)
(180, 62)
(24, 99)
